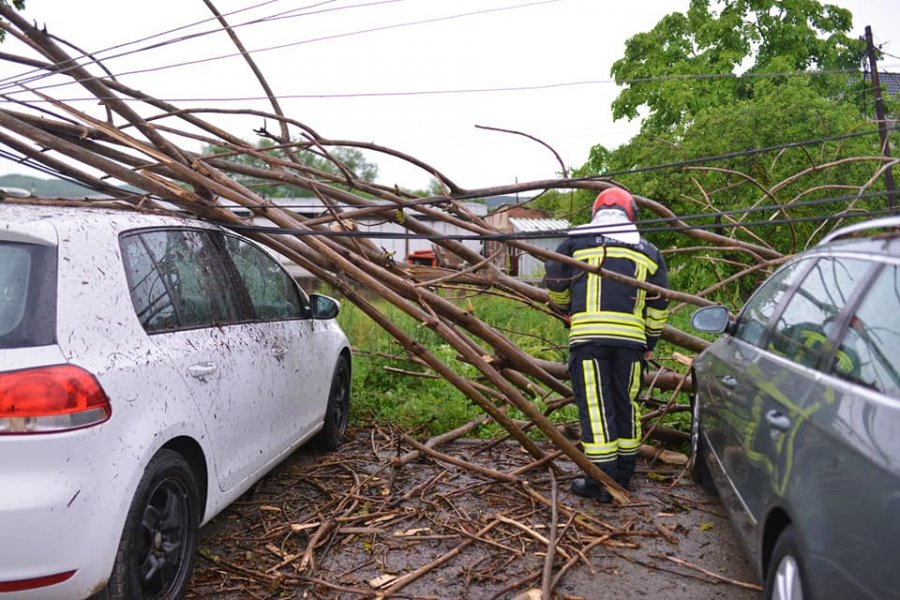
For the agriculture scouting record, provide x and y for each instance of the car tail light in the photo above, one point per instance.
(50, 399)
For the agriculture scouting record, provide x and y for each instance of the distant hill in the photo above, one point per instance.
(51, 188)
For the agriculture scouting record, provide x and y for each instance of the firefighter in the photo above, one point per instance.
(613, 326)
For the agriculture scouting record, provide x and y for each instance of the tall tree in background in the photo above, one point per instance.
(351, 158)
(733, 76)
(689, 61)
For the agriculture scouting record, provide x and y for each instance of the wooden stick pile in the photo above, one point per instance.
(374, 521)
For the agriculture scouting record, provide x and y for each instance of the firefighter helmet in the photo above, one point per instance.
(615, 197)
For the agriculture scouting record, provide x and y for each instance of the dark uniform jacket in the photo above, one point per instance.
(605, 311)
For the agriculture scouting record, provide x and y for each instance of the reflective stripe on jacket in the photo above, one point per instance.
(603, 310)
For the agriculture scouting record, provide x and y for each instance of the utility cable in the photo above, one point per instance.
(319, 39)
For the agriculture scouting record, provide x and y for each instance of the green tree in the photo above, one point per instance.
(351, 158)
(799, 82)
(688, 62)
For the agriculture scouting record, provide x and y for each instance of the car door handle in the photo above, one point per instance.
(201, 370)
(279, 351)
(729, 382)
(777, 420)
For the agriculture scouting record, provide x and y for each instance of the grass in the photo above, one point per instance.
(387, 391)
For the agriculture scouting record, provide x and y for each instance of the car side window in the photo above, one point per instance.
(176, 280)
(273, 292)
(754, 318)
(803, 332)
(868, 352)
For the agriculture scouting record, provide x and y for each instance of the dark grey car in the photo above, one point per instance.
(797, 418)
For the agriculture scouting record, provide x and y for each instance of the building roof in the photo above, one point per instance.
(890, 83)
(520, 224)
(314, 206)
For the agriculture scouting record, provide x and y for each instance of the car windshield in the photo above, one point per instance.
(27, 295)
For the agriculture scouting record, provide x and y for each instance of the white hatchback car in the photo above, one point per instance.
(151, 370)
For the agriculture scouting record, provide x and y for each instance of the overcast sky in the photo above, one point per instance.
(414, 75)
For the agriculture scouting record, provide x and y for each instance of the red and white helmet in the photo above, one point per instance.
(615, 197)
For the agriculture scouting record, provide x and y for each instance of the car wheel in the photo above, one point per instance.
(337, 414)
(699, 468)
(785, 576)
(159, 543)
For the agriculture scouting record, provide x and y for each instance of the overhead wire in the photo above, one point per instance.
(654, 225)
(311, 40)
(323, 95)
(681, 163)
(95, 55)
(433, 92)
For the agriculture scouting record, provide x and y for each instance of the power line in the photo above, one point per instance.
(325, 38)
(682, 163)
(435, 92)
(93, 56)
(659, 225)
(498, 89)
(737, 154)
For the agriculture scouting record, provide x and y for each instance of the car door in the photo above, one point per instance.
(786, 384)
(281, 324)
(727, 374)
(190, 306)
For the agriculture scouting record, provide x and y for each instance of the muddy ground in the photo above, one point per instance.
(348, 525)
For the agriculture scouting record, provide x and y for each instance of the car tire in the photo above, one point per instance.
(158, 546)
(699, 469)
(786, 573)
(337, 414)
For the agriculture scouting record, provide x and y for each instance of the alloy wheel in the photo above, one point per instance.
(788, 585)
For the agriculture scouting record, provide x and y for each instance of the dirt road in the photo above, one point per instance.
(347, 525)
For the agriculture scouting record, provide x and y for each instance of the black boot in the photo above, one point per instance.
(588, 488)
(625, 470)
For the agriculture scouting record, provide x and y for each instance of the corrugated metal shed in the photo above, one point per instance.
(520, 224)
(373, 225)
(530, 267)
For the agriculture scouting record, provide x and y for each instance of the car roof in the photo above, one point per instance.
(42, 219)
(879, 237)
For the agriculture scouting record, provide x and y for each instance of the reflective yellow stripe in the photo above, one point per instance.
(608, 331)
(594, 281)
(600, 453)
(561, 298)
(656, 318)
(607, 324)
(844, 362)
(633, 390)
(602, 317)
(598, 253)
(593, 396)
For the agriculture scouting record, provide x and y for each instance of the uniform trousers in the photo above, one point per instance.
(606, 381)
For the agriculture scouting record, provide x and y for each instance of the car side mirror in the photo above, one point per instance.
(710, 319)
(323, 307)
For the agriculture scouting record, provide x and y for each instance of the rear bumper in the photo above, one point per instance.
(60, 511)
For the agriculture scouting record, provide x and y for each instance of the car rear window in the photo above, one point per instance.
(27, 295)
(872, 341)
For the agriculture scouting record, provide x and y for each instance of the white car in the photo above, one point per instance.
(152, 369)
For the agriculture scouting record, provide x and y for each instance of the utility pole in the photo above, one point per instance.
(882, 123)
